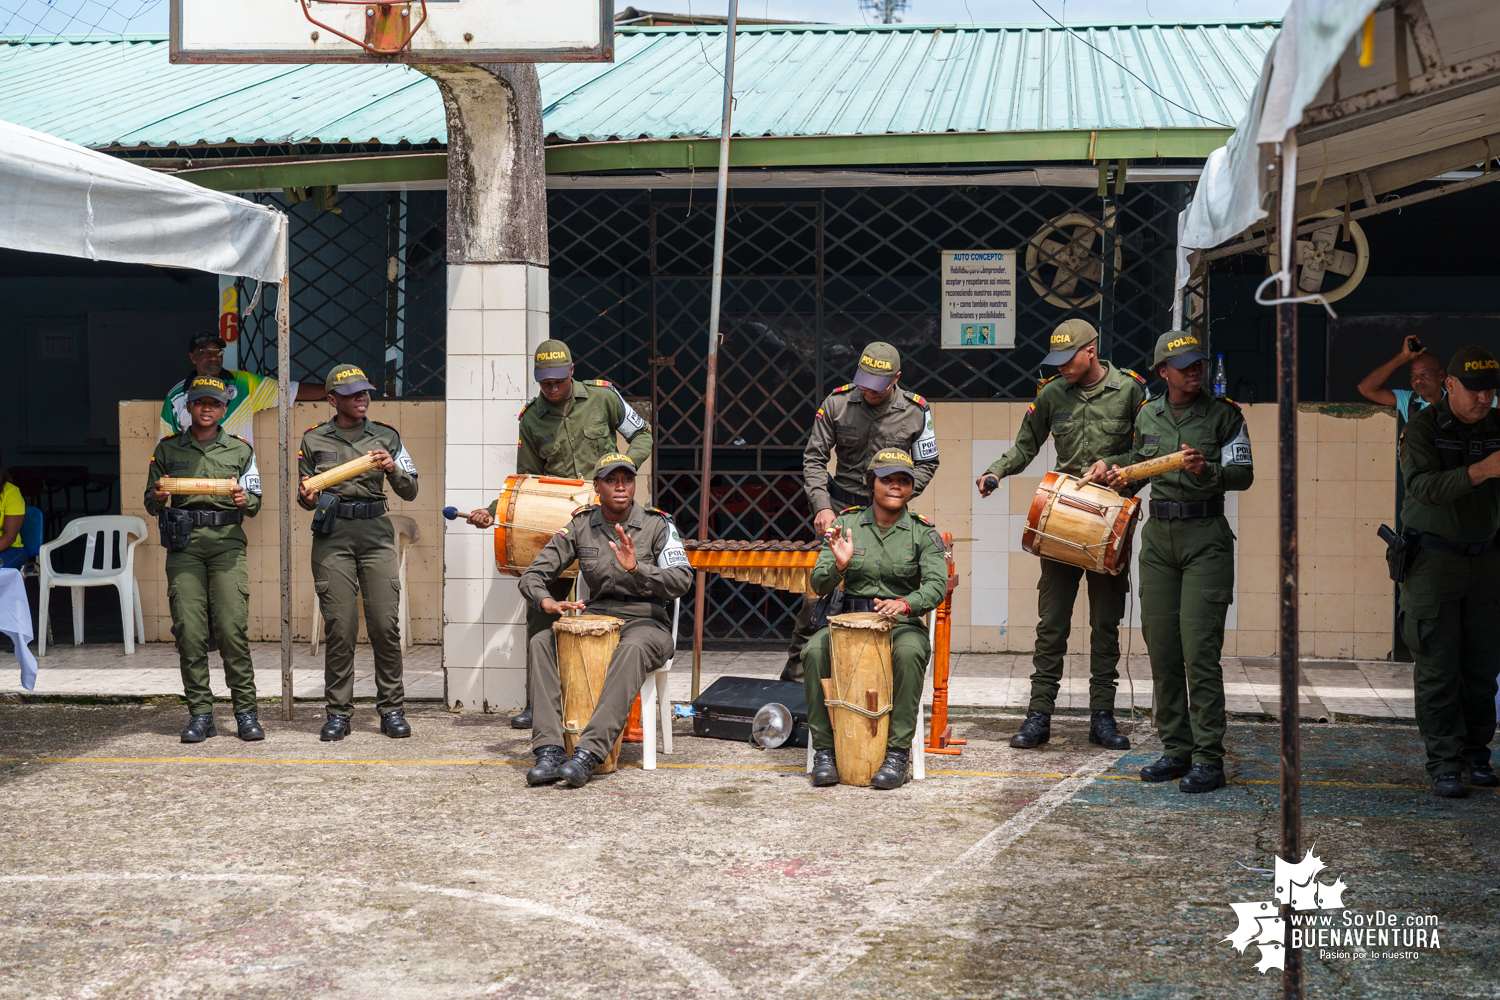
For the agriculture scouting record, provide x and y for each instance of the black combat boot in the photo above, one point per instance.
(249, 726)
(1450, 785)
(549, 761)
(1201, 778)
(1481, 774)
(579, 768)
(394, 724)
(199, 728)
(825, 770)
(1036, 730)
(336, 728)
(895, 770)
(523, 720)
(1103, 731)
(1165, 769)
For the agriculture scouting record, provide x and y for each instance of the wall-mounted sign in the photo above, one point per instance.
(979, 298)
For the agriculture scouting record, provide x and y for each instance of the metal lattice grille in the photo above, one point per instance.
(369, 281)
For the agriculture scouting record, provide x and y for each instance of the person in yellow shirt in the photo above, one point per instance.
(12, 516)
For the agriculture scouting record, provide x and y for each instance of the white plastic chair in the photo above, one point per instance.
(407, 535)
(654, 695)
(122, 531)
(919, 745)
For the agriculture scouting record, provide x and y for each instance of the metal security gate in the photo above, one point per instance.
(810, 278)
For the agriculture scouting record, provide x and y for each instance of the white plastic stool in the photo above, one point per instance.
(116, 531)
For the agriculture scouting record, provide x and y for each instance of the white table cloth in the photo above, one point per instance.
(15, 621)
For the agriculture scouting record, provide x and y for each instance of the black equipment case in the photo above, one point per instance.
(726, 709)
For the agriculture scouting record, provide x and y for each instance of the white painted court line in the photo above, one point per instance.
(850, 948)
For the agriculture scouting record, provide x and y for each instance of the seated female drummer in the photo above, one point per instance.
(891, 561)
(635, 566)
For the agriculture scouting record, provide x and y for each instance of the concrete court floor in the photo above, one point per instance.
(132, 866)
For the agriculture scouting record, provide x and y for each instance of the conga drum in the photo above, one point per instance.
(531, 510)
(858, 695)
(584, 645)
(1081, 525)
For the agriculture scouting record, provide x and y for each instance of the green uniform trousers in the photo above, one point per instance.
(645, 645)
(1055, 594)
(538, 620)
(359, 557)
(910, 652)
(1450, 620)
(211, 566)
(1187, 584)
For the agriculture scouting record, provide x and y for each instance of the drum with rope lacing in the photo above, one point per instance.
(531, 509)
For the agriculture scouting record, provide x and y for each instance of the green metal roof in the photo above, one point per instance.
(807, 93)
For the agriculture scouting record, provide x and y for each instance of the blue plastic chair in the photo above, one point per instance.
(31, 540)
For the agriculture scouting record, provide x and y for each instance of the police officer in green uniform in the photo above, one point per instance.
(870, 414)
(1187, 559)
(354, 549)
(635, 566)
(564, 432)
(889, 560)
(212, 562)
(1088, 411)
(1450, 461)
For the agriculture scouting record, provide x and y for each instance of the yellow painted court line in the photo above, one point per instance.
(660, 766)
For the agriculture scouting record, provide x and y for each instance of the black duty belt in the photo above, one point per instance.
(213, 518)
(1468, 550)
(361, 510)
(843, 496)
(1169, 510)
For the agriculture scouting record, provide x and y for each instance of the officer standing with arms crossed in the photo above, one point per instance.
(1088, 411)
(1187, 559)
(354, 549)
(564, 432)
(869, 415)
(1450, 461)
(210, 560)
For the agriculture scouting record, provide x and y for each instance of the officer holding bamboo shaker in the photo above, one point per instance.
(354, 548)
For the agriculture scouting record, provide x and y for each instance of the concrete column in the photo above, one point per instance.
(497, 315)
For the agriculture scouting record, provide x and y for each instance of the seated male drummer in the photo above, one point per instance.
(635, 566)
(889, 560)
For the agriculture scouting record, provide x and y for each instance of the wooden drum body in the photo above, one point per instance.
(1089, 526)
(530, 511)
(860, 644)
(585, 644)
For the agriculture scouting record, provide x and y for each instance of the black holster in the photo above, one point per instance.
(1400, 550)
(325, 515)
(176, 527)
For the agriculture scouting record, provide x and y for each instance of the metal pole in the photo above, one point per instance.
(286, 470)
(1286, 427)
(712, 361)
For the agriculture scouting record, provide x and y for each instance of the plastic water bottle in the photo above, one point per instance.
(1221, 381)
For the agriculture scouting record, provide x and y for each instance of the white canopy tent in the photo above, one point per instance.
(61, 198)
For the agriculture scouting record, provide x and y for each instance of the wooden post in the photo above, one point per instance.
(287, 469)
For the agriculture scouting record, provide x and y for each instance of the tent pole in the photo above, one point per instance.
(700, 598)
(286, 470)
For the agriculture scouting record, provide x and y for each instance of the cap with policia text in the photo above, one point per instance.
(889, 461)
(1475, 368)
(346, 380)
(609, 463)
(1068, 338)
(1178, 348)
(553, 360)
(207, 387)
(205, 338)
(879, 364)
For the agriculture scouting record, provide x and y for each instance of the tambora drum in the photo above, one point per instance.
(858, 695)
(531, 510)
(1082, 525)
(585, 644)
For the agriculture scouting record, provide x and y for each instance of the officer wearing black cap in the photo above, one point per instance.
(1087, 411)
(1187, 559)
(354, 549)
(206, 556)
(869, 415)
(564, 432)
(1450, 463)
(635, 566)
(249, 393)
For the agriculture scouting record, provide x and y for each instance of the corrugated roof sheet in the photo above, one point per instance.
(665, 83)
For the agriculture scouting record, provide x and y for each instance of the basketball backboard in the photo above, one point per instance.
(420, 31)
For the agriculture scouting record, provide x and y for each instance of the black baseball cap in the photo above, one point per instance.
(1475, 368)
(205, 338)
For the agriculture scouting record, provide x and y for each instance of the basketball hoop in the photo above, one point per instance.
(388, 30)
